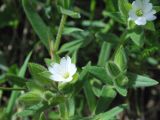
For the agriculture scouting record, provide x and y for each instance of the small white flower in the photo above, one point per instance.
(141, 12)
(64, 71)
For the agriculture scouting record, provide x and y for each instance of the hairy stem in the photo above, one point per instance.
(59, 34)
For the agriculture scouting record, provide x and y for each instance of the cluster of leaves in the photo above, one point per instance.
(97, 83)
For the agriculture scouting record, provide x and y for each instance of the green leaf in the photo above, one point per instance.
(53, 98)
(95, 23)
(71, 46)
(120, 83)
(48, 61)
(57, 100)
(96, 87)
(157, 8)
(136, 80)
(74, 57)
(120, 59)
(48, 95)
(36, 68)
(54, 115)
(91, 100)
(106, 97)
(24, 66)
(16, 94)
(70, 13)
(99, 73)
(104, 54)
(31, 110)
(111, 5)
(112, 69)
(42, 116)
(37, 23)
(122, 80)
(63, 110)
(31, 98)
(70, 30)
(137, 37)
(121, 90)
(43, 78)
(107, 37)
(111, 113)
(82, 77)
(32, 85)
(116, 16)
(124, 7)
(64, 3)
(150, 26)
(40, 74)
(71, 106)
(19, 81)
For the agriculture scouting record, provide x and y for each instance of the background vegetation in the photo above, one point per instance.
(83, 39)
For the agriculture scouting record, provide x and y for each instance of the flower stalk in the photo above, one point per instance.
(60, 31)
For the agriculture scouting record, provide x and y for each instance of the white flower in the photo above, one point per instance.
(64, 71)
(141, 12)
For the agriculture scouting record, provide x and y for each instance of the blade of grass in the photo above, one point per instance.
(15, 94)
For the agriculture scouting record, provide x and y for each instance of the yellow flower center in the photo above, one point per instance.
(66, 75)
(139, 12)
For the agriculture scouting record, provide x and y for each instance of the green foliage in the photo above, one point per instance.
(124, 7)
(116, 16)
(104, 41)
(39, 73)
(140, 81)
(100, 73)
(104, 54)
(106, 97)
(42, 30)
(120, 59)
(91, 100)
(71, 46)
(137, 36)
(70, 13)
(16, 94)
(111, 113)
(31, 98)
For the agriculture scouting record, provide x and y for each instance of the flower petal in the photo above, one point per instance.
(65, 63)
(57, 78)
(147, 7)
(72, 69)
(56, 69)
(68, 61)
(145, 1)
(150, 15)
(132, 15)
(137, 4)
(141, 21)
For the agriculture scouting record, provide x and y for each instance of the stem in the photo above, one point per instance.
(51, 49)
(121, 43)
(60, 30)
(8, 89)
(136, 104)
